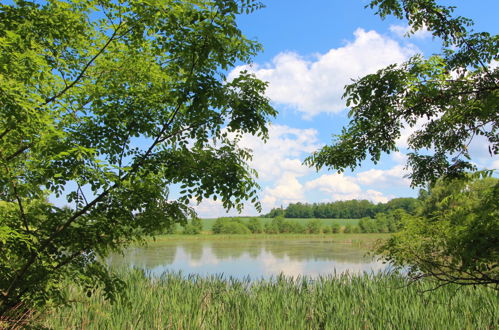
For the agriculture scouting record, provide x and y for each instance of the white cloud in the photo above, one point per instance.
(334, 183)
(360, 185)
(390, 177)
(399, 157)
(402, 30)
(288, 189)
(278, 163)
(283, 151)
(316, 85)
(210, 208)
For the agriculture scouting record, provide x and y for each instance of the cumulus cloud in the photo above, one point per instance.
(210, 208)
(340, 187)
(314, 85)
(392, 177)
(288, 189)
(283, 152)
(336, 183)
(279, 165)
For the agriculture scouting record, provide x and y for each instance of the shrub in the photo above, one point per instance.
(194, 227)
(234, 227)
(314, 226)
(297, 228)
(271, 227)
(217, 226)
(335, 228)
(326, 230)
(189, 229)
(255, 226)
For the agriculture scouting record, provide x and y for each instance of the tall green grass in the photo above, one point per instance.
(342, 302)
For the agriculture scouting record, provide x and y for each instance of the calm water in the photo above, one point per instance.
(254, 258)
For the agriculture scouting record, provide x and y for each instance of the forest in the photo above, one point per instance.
(351, 209)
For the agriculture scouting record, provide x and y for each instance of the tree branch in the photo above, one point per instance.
(21, 208)
(85, 68)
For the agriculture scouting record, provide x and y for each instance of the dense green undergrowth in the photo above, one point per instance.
(382, 223)
(344, 302)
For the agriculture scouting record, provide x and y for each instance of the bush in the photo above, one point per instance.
(297, 228)
(255, 226)
(272, 227)
(217, 226)
(314, 226)
(348, 229)
(189, 229)
(234, 227)
(335, 228)
(194, 227)
(381, 223)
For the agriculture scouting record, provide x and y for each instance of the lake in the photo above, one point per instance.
(253, 258)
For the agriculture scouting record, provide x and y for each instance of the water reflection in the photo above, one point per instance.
(254, 258)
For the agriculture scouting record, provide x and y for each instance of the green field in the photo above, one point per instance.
(208, 223)
(345, 302)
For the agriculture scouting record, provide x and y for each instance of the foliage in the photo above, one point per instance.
(255, 226)
(348, 229)
(455, 236)
(448, 99)
(272, 227)
(351, 209)
(230, 226)
(194, 227)
(234, 227)
(314, 226)
(107, 104)
(217, 226)
(342, 302)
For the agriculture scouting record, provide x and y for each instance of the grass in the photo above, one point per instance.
(345, 302)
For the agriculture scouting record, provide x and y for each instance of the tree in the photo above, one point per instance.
(455, 235)
(454, 96)
(194, 227)
(109, 104)
(448, 100)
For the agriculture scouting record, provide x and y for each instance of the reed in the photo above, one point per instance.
(383, 301)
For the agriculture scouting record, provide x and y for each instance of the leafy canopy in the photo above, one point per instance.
(454, 238)
(448, 99)
(108, 104)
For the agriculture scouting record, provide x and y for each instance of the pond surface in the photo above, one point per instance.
(255, 258)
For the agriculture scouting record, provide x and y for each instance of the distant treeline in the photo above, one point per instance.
(352, 209)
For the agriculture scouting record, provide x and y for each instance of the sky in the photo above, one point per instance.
(312, 49)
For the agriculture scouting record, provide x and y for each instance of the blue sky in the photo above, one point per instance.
(311, 50)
